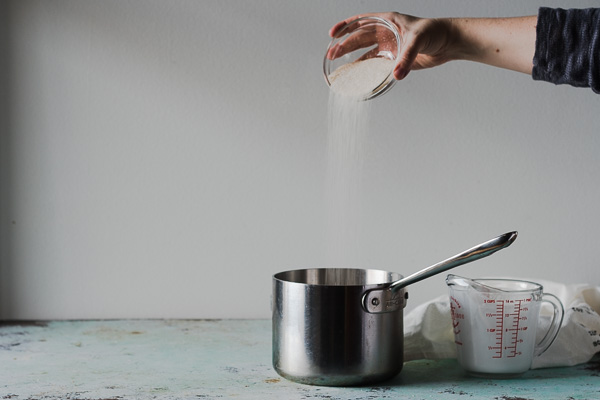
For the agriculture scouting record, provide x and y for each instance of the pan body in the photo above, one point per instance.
(323, 336)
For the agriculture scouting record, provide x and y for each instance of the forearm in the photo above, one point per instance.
(558, 46)
(501, 42)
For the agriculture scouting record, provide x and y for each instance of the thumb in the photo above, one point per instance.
(407, 56)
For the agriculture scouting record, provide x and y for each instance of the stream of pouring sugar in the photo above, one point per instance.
(348, 124)
(347, 129)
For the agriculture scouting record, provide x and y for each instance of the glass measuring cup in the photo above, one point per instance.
(365, 40)
(495, 323)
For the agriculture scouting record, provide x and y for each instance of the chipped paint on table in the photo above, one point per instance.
(210, 359)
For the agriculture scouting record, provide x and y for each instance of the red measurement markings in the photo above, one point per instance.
(515, 319)
(456, 317)
(498, 329)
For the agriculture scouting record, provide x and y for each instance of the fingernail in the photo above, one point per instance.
(400, 73)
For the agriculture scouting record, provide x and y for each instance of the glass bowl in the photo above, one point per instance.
(370, 39)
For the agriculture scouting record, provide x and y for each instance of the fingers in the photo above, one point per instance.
(335, 29)
(355, 33)
(353, 42)
(411, 45)
(344, 47)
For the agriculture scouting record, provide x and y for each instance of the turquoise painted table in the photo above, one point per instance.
(212, 359)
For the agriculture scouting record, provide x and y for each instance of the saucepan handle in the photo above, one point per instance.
(386, 300)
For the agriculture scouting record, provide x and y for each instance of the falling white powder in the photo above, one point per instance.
(347, 130)
(360, 78)
(348, 124)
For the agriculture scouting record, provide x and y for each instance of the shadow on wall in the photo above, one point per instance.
(114, 25)
(119, 26)
(6, 222)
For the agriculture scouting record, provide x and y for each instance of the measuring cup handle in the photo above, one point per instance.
(555, 324)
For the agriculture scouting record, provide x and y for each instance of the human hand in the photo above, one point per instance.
(426, 43)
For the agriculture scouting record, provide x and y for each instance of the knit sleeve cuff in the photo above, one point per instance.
(567, 47)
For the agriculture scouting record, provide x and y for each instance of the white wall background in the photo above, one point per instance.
(164, 159)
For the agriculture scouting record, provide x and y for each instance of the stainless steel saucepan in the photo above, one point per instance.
(342, 326)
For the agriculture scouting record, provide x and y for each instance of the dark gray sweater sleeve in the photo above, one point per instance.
(567, 48)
